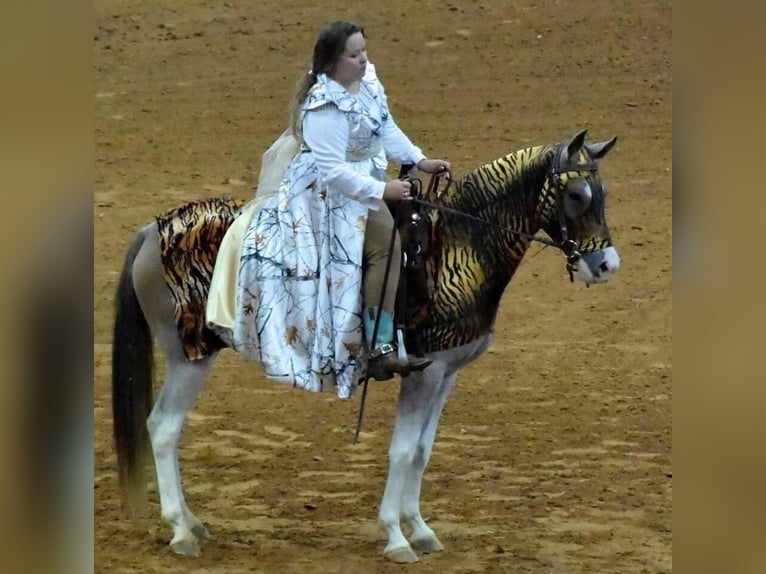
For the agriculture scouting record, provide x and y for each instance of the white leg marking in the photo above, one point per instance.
(423, 538)
(417, 395)
(181, 387)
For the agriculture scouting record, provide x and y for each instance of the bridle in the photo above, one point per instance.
(559, 166)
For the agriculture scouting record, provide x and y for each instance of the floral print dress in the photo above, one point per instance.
(299, 285)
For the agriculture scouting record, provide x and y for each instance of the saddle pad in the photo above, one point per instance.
(190, 236)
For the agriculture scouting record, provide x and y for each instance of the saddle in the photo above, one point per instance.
(417, 225)
(191, 234)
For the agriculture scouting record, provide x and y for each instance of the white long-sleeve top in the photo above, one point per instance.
(301, 265)
(336, 128)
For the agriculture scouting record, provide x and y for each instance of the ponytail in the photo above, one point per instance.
(305, 84)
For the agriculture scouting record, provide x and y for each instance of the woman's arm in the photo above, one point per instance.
(397, 145)
(325, 131)
(399, 148)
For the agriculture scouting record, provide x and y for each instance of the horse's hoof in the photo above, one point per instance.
(427, 545)
(402, 555)
(185, 547)
(200, 532)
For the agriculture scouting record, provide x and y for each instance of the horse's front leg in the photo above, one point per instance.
(423, 538)
(417, 396)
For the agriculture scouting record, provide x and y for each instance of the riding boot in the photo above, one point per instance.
(384, 359)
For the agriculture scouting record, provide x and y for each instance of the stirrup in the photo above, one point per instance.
(384, 364)
(418, 363)
(384, 349)
(377, 365)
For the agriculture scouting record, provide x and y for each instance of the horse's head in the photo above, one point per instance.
(575, 217)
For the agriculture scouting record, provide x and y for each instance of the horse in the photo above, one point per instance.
(482, 225)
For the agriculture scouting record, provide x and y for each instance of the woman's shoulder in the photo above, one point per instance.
(327, 91)
(373, 84)
(370, 74)
(371, 80)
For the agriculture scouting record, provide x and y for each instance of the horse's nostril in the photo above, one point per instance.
(604, 266)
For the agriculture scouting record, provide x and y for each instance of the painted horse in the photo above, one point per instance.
(482, 225)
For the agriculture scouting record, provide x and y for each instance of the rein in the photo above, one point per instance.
(485, 222)
(558, 166)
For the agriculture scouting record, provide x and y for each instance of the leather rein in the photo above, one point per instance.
(559, 166)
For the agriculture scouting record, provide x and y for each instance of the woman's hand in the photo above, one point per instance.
(397, 190)
(435, 166)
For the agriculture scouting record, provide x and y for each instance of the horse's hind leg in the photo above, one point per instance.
(183, 381)
(179, 391)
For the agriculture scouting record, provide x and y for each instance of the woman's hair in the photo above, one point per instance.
(328, 49)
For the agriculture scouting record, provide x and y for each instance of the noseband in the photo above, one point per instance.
(559, 166)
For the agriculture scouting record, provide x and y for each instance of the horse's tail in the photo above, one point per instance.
(132, 366)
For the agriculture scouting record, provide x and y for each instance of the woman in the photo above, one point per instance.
(306, 248)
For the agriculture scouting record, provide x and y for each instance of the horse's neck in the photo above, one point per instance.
(478, 260)
(506, 193)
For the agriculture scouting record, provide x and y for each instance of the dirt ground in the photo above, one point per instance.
(554, 452)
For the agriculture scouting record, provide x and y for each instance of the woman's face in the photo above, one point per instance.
(352, 62)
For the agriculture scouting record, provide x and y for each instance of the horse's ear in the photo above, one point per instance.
(576, 143)
(600, 149)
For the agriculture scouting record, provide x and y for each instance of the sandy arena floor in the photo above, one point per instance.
(554, 452)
